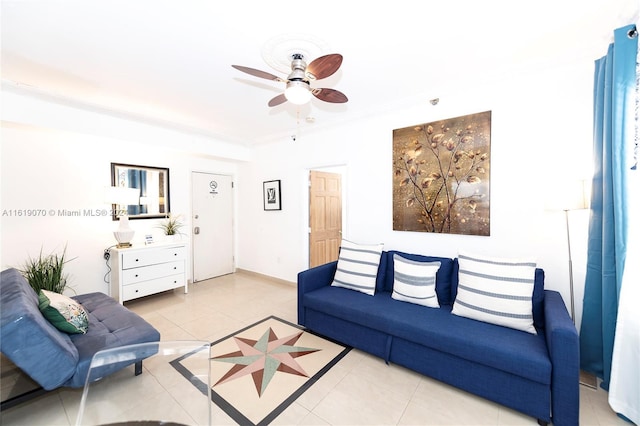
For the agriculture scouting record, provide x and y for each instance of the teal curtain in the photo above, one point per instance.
(614, 123)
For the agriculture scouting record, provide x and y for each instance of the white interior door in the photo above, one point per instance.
(212, 225)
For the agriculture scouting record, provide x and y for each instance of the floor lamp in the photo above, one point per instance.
(573, 311)
(576, 197)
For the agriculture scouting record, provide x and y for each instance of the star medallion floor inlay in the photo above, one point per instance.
(257, 372)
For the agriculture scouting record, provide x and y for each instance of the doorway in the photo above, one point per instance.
(325, 216)
(212, 225)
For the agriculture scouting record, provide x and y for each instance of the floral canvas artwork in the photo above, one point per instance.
(441, 176)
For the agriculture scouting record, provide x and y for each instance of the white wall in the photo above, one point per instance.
(50, 171)
(541, 135)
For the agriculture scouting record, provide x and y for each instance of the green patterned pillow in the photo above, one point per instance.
(63, 313)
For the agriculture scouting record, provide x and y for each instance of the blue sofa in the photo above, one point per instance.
(537, 375)
(53, 358)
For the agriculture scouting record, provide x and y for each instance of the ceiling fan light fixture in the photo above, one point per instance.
(297, 92)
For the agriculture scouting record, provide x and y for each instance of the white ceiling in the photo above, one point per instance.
(169, 61)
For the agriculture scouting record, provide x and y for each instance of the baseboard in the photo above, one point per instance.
(265, 277)
(588, 379)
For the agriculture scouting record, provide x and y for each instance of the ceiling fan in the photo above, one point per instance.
(299, 90)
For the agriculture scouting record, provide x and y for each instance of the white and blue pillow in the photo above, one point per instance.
(496, 290)
(415, 282)
(358, 266)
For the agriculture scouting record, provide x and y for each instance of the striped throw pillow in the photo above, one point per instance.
(414, 281)
(358, 266)
(496, 290)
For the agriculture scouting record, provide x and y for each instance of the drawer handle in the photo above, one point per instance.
(137, 260)
(175, 267)
(136, 275)
(175, 254)
(136, 291)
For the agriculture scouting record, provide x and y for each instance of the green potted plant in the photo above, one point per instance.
(46, 272)
(171, 226)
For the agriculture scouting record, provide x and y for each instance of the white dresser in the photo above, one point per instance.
(143, 270)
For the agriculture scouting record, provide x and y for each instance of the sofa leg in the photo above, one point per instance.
(542, 423)
(138, 368)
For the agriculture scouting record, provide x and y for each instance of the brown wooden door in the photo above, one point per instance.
(325, 217)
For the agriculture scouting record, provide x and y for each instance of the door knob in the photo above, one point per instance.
(196, 230)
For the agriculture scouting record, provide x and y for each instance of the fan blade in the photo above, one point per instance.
(324, 66)
(330, 95)
(257, 73)
(280, 99)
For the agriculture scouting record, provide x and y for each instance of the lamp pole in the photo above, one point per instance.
(566, 216)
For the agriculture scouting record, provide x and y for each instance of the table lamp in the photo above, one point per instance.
(120, 198)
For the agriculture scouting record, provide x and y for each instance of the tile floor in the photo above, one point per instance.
(359, 390)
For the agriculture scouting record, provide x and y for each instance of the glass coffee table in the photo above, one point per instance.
(173, 389)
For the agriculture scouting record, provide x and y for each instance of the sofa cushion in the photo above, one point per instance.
(498, 347)
(110, 325)
(28, 338)
(358, 266)
(63, 312)
(496, 290)
(415, 282)
(443, 277)
(502, 348)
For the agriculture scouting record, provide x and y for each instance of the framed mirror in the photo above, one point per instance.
(152, 184)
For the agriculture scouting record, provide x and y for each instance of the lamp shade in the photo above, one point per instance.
(121, 196)
(569, 195)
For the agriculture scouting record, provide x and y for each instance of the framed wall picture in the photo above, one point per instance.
(271, 195)
(441, 176)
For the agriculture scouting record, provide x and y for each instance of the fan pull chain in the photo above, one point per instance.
(294, 137)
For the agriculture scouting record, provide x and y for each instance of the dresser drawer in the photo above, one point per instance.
(145, 273)
(144, 270)
(152, 256)
(157, 285)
